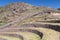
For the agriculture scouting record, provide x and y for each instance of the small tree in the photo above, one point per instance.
(58, 9)
(45, 16)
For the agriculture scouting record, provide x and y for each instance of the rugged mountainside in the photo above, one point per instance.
(21, 19)
(14, 10)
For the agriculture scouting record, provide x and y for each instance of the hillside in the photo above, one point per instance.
(19, 19)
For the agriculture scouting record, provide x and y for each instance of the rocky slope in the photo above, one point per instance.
(19, 19)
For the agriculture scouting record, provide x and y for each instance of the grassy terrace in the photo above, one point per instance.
(48, 34)
(26, 35)
(8, 38)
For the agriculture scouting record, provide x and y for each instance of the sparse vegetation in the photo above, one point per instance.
(15, 15)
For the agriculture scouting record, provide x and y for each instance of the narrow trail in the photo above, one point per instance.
(48, 26)
(22, 17)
